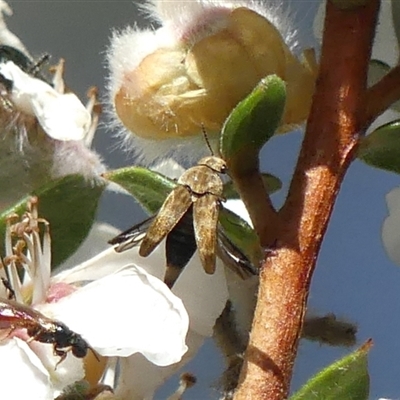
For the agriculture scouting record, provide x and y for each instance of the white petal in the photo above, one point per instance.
(393, 200)
(62, 116)
(63, 374)
(391, 226)
(105, 263)
(139, 379)
(203, 295)
(22, 374)
(126, 313)
(6, 36)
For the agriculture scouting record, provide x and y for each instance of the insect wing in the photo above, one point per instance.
(205, 220)
(175, 206)
(132, 236)
(180, 246)
(233, 257)
(13, 314)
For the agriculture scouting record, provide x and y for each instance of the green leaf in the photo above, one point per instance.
(69, 204)
(345, 379)
(242, 235)
(271, 182)
(252, 123)
(150, 189)
(381, 148)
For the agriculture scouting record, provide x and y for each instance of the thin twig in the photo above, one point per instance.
(382, 95)
(263, 215)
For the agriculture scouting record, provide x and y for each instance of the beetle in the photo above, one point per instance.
(181, 244)
(199, 188)
(14, 316)
(188, 219)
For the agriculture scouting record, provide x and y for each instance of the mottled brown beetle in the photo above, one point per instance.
(188, 219)
(202, 187)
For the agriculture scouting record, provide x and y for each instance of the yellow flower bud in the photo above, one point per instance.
(199, 79)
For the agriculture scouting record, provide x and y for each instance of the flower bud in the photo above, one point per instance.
(204, 59)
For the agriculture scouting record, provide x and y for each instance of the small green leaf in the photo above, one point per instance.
(149, 188)
(271, 182)
(69, 204)
(381, 148)
(347, 379)
(242, 235)
(252, 123)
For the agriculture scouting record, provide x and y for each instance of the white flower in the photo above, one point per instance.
(46, 133)
(391, 226)
(206, 56)
(125, 312)
(61, 115)
(203, 296)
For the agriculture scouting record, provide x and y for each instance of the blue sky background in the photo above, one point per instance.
(354, 278)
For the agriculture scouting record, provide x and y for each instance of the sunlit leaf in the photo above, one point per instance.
(252, 123)
(347, 379)
(149, 188)
(241, 234)
(69, 204)
(381, 148)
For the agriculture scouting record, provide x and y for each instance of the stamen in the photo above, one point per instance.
(58, 78)
(94, 108)
(186, 381)
(28, 253)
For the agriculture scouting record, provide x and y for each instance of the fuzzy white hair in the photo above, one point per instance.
(128, 47)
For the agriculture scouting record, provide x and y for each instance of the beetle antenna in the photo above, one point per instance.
(203, 130)
(38, 65)
(96, 355)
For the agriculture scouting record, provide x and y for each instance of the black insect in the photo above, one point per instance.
(14, 316)
(33, 68)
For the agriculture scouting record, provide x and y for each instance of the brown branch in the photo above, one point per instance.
(382, 95)
(327, 150)
(252, 191)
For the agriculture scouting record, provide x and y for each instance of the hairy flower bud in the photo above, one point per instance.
(192, 71)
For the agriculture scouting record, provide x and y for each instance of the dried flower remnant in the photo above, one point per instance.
(46, 131)
(329, 330)
(193, 70)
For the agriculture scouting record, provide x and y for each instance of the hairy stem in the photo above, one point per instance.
(328, 148)
(252, 191)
